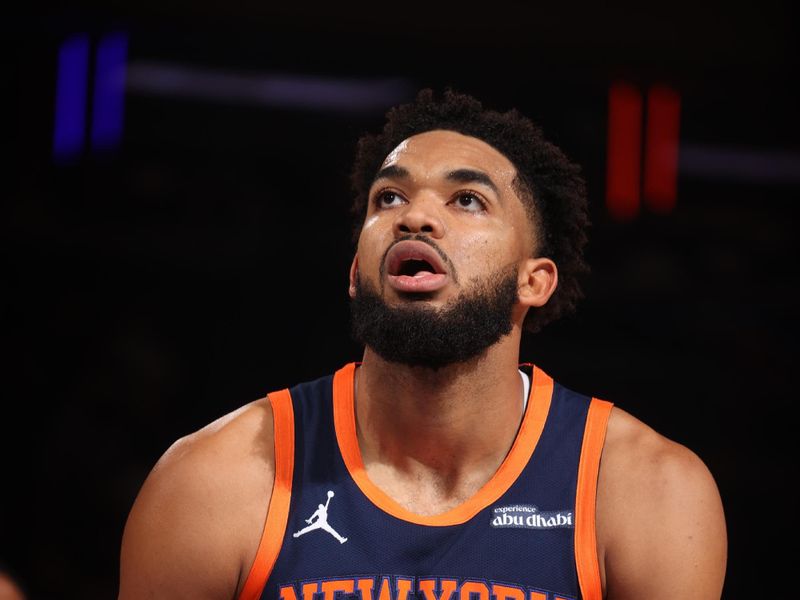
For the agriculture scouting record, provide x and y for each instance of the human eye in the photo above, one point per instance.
(388, 199)
(469, 201)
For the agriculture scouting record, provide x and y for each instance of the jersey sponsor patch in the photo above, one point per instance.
(527, 516)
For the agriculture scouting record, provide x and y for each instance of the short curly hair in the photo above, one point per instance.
(549, 184)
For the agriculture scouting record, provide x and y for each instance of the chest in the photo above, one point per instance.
(527, 533)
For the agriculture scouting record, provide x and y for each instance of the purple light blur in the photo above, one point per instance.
(69, 131)
(267, 89)
(739, 164)
(108, 101)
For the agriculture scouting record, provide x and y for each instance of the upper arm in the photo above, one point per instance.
(660, 519)
(197, 519)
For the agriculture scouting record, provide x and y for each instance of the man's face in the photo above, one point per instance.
(443, 236)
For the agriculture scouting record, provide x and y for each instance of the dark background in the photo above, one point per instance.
(159, 284)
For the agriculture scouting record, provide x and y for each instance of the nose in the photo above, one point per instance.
(420, 215)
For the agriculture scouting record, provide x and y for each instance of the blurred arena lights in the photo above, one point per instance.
(265, 89)
(624, 151)
(661, 148)
(108, 100)
(666, 156)
(739, 164)
(69, 131)
(625, 184)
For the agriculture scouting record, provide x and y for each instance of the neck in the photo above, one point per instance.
(448, 429)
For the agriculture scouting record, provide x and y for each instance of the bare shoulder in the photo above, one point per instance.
(637, 455)
(660, 523)
(195, 526)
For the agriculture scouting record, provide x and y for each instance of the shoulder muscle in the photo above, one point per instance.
(661, 528)
(194, 528)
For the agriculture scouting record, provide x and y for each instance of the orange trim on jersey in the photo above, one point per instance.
(528, 436)
(278, 511)
(586, 561)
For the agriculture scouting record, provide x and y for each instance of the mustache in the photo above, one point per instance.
(416, 237)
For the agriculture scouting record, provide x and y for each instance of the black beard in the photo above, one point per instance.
(420, 336)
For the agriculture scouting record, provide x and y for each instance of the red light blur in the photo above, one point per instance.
(624, 151)
(661, 149)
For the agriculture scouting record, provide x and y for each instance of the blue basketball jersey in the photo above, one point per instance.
(527, 534)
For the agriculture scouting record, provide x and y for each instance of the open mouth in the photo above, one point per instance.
(414, 266)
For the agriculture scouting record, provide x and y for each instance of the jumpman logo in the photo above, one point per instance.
(321, 522)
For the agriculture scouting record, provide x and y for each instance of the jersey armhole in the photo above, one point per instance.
(278, 512)
(586, 560)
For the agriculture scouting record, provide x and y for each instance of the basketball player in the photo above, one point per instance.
(439, 467)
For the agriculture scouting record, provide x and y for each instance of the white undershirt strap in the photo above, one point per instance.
(526, 389)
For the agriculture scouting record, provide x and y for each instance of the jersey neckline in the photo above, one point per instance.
(521, 451)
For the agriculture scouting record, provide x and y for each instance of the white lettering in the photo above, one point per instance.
(529, 517)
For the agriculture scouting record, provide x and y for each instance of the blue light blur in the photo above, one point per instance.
(70, 112)
(108, 101)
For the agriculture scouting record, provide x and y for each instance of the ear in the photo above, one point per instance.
(538, 278)
(353, 276)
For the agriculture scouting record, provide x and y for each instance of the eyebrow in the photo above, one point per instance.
(472, 176)
(392, 171)
(459, 175)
